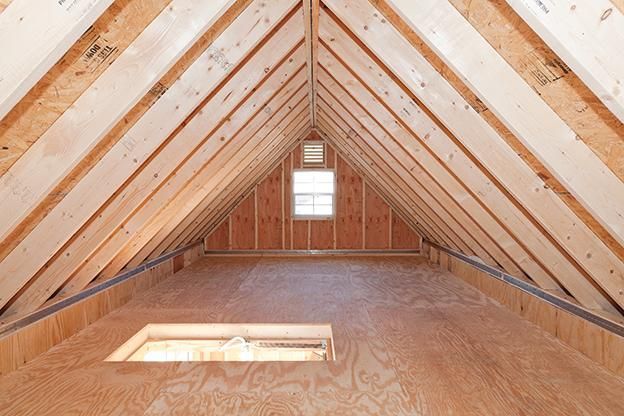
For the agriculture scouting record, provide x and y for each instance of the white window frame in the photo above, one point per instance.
(313, 217)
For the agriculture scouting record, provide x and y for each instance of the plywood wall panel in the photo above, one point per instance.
(402, 235)
(348, 207)
(243, 236)
(300, 235)
(286, 187)
(322, 235)
(270, 211)
(268, 218)
(219, 239)
(23, 345)
(377, 217)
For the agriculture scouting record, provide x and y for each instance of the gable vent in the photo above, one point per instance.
(313, 154)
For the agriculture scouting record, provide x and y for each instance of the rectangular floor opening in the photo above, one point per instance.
(228, 342)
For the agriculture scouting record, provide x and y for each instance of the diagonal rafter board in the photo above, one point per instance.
(370, 179)
(350, 83)
(376, 142)
(588, 36)
(34, 37)
(190, 140)
(394, 194)
(237, 195)
(520, 108)
(487, 147)
(446, 182)
(396, 144)
(336, 128)
(280, 112)
(241, 185)
(310, 22)
(241, 181)
(145, 223)
(382, 179)
(137, 253)
(98, 109)
(443, 148)
(284, 117)
(109, 174)
(204, 225)
(287, 119)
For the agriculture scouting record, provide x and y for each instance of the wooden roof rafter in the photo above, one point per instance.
(414, 71)
(520, 108)
(404, 117)
(45, 33)
(286, 39)
(311, 22)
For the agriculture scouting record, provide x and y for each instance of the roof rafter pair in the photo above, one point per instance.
(187, 158)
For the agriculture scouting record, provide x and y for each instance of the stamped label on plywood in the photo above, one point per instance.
(68, 5)
(99, 50)
(545, 69)
(157, 91)
(539, 7)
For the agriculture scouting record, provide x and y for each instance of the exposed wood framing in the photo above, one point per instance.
(589, 38)
(442, 148)
(109, 98)
(520, 108)
(33, 39)
(110, 164)
(311, 22)
(493, 153)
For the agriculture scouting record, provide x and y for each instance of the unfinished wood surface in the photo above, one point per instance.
(389, 140)
(520, 108)
(598, 344)
(588, 37)
(349, 208)
(545, 258)
(547, 74)
(88, 58)
(188, 151)
(33, 39)
(319, 234)
(410, 339)
(269, 211)
(179, 101)
(402, 235)
(494, 154)
(220, 238)
(377, 221)
(244, 225)
(428, 173)
(96, 112)
(24, 345)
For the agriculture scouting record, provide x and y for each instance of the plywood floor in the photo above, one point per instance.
(410, 340)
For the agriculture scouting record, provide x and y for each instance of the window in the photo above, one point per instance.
(313, 193)
(228, 342)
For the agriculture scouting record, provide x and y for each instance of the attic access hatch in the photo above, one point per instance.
(228, 342)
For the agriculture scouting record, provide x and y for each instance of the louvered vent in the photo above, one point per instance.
(313, 154)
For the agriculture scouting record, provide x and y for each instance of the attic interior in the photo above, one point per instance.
(308, 207)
